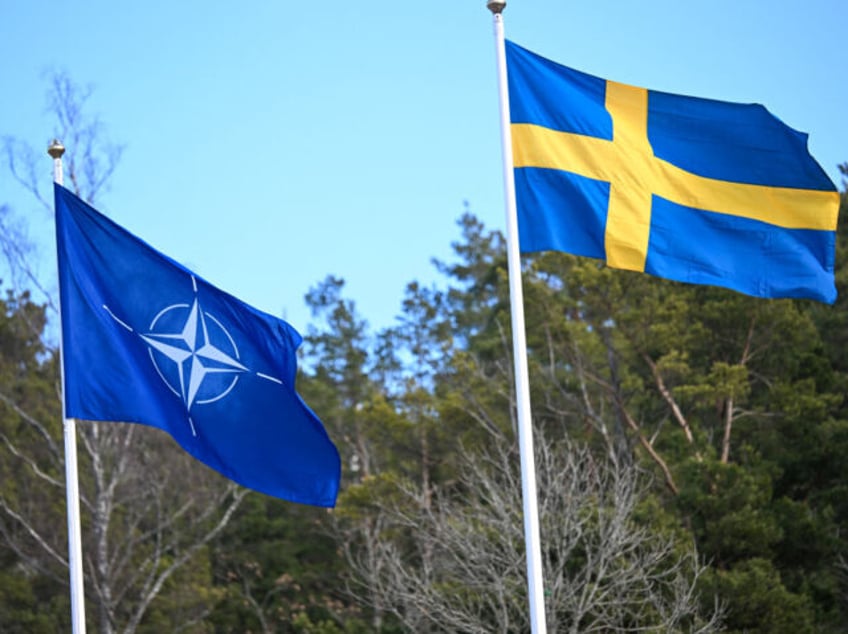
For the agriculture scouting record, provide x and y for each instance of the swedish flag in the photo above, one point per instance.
(688, 189)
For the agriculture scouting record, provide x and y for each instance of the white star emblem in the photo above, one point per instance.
(195, 356)
(191, 354)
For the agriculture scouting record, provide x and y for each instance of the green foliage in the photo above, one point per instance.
(734, 407)
(31, 599)
(276, 565)
(727, 508)
(758, 602)
(30, 604)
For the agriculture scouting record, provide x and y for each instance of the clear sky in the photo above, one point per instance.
(271, 143)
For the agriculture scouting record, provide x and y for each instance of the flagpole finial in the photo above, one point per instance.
(496, 6)
(56, 149)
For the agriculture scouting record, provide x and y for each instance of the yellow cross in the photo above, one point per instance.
(628, 164)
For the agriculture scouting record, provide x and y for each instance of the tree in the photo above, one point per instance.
(29, 424)
(444, 552)
(278, 568)
(339, 355)
(458, 566)
(148, 509)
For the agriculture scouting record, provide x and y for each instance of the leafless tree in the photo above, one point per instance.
(604, 569)
(148, 509)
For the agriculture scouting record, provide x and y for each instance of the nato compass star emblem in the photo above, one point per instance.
(193, 353)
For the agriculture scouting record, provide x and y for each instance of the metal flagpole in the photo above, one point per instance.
(519, 345)
(56, 150)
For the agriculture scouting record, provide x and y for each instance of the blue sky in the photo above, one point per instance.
(269, 143)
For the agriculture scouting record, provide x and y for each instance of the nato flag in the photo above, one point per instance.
(147, 341)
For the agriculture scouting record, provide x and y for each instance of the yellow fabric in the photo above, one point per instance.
(628, 164)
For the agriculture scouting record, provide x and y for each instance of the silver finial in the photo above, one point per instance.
(496, 6)
(56, 149)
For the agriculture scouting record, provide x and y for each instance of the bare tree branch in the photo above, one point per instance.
(35, 424)
(143, 522)
(238, 495)
(604, 571)
(33, 465)
(32, 532)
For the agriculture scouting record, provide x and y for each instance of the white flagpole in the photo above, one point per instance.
(56, 150)
(535, 584)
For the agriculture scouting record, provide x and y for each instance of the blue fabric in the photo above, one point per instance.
(554, 96)
(146, 341)
(578, 228)
(701, 247)
(743, 143)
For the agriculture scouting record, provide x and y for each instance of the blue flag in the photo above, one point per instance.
(688, 189)
(147, 341)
